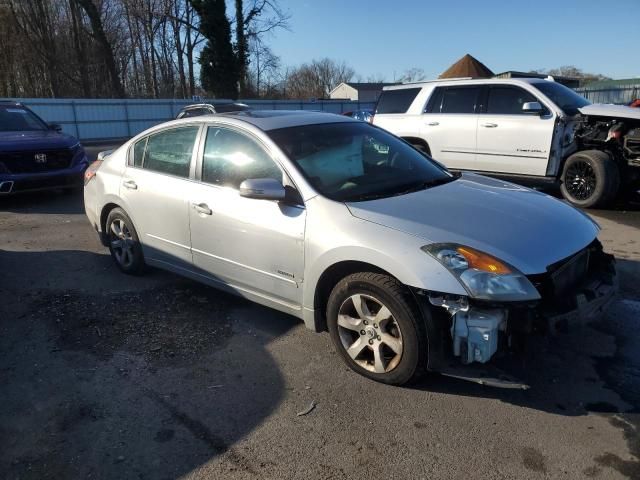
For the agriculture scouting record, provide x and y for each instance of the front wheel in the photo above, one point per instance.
(590, 179)
(376, 328)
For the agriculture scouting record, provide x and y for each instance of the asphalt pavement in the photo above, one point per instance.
(104, 375)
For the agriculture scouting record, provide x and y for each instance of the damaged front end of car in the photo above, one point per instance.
(468, 333)
(597, 128)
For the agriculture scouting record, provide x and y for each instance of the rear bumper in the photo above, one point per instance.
(30, 182)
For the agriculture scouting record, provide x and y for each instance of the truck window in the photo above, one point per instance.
(435, 101)
(396, 101)
(459, 100)
(508, 100)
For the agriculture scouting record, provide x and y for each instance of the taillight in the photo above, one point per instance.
(91, 171)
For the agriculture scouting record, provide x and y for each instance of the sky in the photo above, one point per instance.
(384, 38)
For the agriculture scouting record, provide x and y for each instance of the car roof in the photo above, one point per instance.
(213, 105)
(274, 119)
(196, 105)
(465, 81)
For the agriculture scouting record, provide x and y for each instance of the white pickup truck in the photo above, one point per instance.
(530, 131)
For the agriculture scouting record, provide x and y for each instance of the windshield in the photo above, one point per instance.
(351, 162)
(14, 118)
(568, 100)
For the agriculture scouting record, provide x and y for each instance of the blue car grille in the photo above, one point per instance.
(35, 161)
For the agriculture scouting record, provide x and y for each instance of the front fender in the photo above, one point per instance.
(334, 236)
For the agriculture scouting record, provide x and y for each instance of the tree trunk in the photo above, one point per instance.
(241, 48)
(78, 45)
(179, 52)
(190, 48)
(107, 52)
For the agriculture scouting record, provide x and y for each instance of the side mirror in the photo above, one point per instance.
(262, 188)
(55, 126)
(532, 107)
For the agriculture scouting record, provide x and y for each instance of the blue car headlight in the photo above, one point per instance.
(78, 154)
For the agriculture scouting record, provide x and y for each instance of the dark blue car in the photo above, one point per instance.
(35, 155)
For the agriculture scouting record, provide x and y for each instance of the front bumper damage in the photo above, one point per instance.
(466, 336)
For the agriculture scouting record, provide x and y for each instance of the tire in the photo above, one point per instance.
(124, 243)
(397, 334)
(590, 179)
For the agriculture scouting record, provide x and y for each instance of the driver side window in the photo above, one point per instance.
(231, 158)
(508, 100)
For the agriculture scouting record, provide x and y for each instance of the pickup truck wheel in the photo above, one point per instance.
(376, 328)
(590, 179)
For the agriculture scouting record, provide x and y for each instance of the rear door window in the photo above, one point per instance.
(396, 101)
(138, 153)
(170, 151)
(460, 100)
(508, 100)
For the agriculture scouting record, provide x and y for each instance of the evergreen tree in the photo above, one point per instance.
(219, 66)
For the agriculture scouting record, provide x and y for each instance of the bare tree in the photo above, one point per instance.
(105, 46)
(413, 75)
(573, 72)
(139, 48)
(375, 78)
(264, 72)
(253, 20)
(317, 79)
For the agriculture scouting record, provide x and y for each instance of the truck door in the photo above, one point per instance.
(510, 140)
(450, 123)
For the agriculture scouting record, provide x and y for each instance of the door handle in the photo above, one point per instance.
(433, 124)
(130, 184)
(489, 125)
(202, 208)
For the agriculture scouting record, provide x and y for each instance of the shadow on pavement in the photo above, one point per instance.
(145, 378)
(106, 375)
(60, 202)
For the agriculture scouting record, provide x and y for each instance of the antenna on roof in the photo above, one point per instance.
(549, 78)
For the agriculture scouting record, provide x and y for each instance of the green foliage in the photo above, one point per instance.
(219, 72)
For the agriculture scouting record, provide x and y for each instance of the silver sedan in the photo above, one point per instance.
(409, 267)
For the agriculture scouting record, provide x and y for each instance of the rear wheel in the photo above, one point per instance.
(590, 179)
(124, 244)
(376, 328)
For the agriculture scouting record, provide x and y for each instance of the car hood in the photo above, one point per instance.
(605, 110)
(525, 228)
(36, 140)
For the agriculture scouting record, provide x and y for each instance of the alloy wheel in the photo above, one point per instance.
(122, 242)
(369, 333)
(580, 180)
